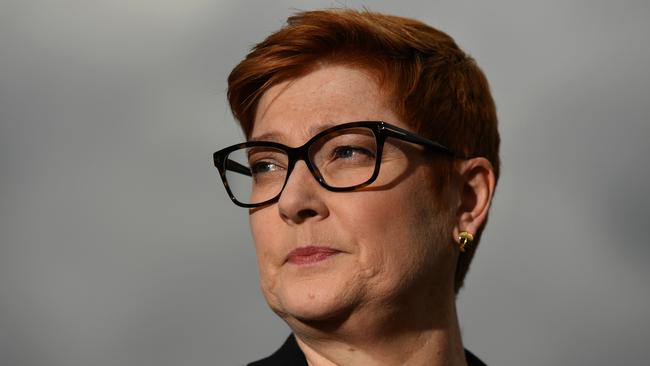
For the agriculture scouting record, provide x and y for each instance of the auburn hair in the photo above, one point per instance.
(436, 88)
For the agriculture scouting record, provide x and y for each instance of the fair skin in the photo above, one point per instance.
(386, 297)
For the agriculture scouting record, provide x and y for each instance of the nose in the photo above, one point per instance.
(302, 197)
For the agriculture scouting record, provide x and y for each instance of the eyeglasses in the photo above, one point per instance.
(341, 158)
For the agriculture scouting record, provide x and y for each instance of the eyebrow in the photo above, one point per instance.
(279, 137)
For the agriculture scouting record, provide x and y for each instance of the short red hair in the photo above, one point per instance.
(436, 88)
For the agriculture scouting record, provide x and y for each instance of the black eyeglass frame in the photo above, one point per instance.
(382, 130)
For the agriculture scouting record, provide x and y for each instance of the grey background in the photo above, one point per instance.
(118, 245)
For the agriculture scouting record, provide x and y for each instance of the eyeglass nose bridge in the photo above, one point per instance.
(295, 155)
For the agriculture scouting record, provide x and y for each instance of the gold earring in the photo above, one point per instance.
(465, 238)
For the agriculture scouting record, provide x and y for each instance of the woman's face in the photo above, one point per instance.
(322, 254)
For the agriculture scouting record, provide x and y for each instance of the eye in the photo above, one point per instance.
(266, 161)
(261, 167)
(351, 152)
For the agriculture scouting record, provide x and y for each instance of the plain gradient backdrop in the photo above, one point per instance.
(119, 246)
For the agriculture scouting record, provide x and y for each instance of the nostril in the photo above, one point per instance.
(307, 213)
(300, 216)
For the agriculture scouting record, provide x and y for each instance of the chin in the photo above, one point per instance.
(313, 301)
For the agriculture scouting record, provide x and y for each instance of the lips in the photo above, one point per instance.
(310, 254)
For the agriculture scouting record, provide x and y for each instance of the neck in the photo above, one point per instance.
(384, 335)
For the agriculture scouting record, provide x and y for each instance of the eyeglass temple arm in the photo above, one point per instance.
(410, 137)
(236, 167)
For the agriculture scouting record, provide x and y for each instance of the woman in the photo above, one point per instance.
(370, 164)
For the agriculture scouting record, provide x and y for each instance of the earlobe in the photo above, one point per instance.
(476, 188)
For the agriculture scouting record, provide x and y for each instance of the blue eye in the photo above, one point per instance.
(351, 152)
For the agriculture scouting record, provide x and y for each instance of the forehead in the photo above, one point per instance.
(293, 111)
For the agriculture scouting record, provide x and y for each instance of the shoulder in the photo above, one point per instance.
(287, 355)
(291, 355)
(472, 360)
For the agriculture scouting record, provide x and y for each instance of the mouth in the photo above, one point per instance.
(310, 255)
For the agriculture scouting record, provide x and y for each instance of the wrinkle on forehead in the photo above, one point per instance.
(278, 136)
(270, 124)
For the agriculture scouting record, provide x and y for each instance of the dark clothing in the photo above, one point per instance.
(291, 355)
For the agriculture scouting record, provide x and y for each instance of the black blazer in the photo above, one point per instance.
(291, 355)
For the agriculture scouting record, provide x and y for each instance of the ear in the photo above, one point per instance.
(476, 187)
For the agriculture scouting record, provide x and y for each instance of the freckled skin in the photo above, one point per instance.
(395, 244)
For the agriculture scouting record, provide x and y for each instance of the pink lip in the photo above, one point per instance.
(310, 254)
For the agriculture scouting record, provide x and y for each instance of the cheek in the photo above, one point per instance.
(389, 236)
(394, 235)
(257, 231)
(264, 234)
